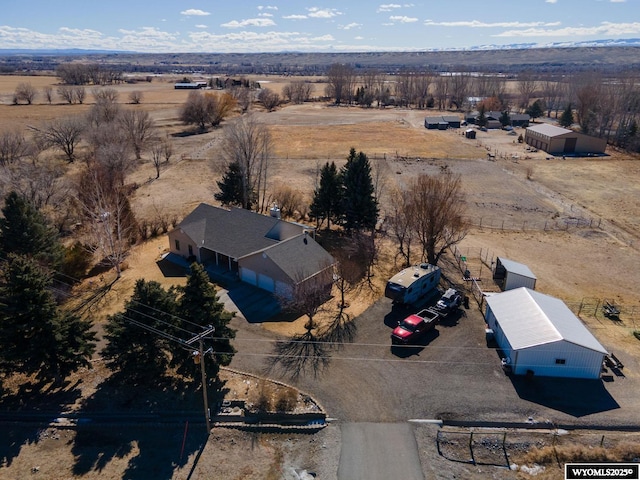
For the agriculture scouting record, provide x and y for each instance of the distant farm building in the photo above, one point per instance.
(470, 133)
(539, 335)
(442, 122)
(493, 119)
(509, 275)
(189, 85)
(561, 141)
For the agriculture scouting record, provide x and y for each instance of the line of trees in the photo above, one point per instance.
(603, 106)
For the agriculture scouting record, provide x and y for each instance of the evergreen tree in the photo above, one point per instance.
(37, 337)
(566, 119)
(25, 231)
(327, 197)
(231, 186)
(482, 117)
(199, 304)
(133, 350)
(359, 205)
(535, 110)
(505, 119)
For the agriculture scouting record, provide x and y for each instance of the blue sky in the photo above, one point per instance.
(324, 26)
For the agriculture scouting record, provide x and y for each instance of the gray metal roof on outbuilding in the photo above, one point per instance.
(529, 318)
(517, 268)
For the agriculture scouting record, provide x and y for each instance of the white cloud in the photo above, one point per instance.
(618, 1)
(402, 19)
(249, 22)
(551, 1)
(604, 29)
(265, 14)
(388, 7)
(316, 12)
(478, 24)
(295, 17)
(201, 26)
(194, 12)
(350, 26)
(267, 7)
(358, 38)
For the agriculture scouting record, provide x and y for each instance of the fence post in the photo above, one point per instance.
(473, 460)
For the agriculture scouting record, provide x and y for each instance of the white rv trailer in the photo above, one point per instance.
(413, 283)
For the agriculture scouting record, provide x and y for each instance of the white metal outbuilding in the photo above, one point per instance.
(541, 336)
(509, 275)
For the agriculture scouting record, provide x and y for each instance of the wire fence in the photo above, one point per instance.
(477, 265)
(559, 224)
(502, 448)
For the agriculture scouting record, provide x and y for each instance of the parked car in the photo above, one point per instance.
(414, 326)
(449, 302)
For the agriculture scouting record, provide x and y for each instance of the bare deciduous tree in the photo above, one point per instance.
(111, 223)
(138, 127)
(248, 143)
(47, 92)
(105, 95)
(64, 133)
(136, 97)
(341, 79)
(243, 97)
(269, 99)
(437, 205)
(298, 91)
(13, 146)
(400, 221)
(66, 93)
(79, 94)
(25, 92)
(157, 155)
(527, 85)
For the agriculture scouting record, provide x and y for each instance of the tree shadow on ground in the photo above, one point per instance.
(37, 402)
(147, 422)
(310, 352)
(575, 397)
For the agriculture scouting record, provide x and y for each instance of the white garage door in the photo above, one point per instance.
(266, 283)
(248, 276)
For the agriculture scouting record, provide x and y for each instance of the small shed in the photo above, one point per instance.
(539, 335)
(509, 275)
(470, 133)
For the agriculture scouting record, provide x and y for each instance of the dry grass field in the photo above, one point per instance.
(523, 205)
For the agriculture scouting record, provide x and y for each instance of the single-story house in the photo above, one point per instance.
(442, 122)
(435, 123)
(509, 275)
(265, 251)
(539, 335)
(519, 119)
(560, 141)
(189, 85)
(452, 120)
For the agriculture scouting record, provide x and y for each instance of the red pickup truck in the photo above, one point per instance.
(414, 326)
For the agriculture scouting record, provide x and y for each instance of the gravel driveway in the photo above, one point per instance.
(453, 376)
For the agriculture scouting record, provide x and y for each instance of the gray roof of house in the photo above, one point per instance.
(235, 233)
(434, 120)
(517, 268)
(529, 318)
(519, 116)
(549, 130)
(451, 118)
(299, 257)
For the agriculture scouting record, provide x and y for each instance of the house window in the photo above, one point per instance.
(190, 250)
(560, 361)
(177, 244)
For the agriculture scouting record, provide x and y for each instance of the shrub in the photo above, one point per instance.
(77, 260)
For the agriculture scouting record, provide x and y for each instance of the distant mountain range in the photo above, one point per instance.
(623, 42)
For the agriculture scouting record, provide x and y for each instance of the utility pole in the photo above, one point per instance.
(200, 359)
